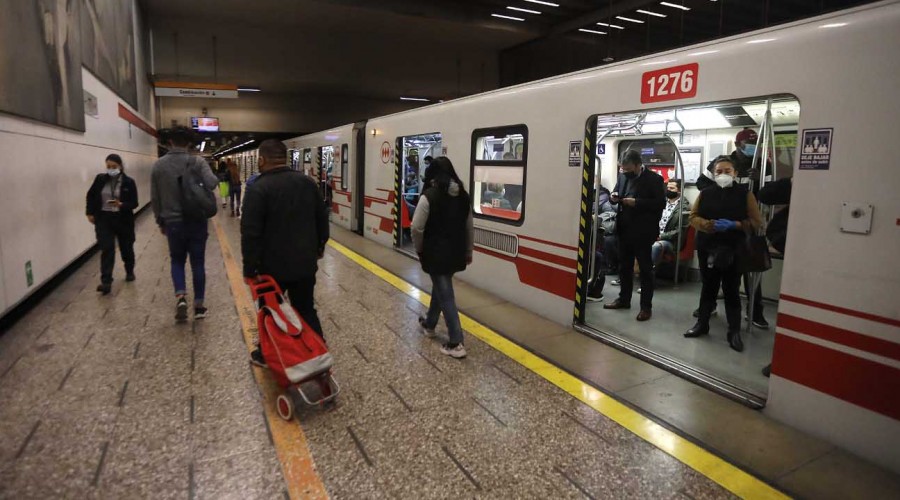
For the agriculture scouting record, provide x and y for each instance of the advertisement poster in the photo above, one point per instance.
(575, 153)
(815, 150)
(692, 162)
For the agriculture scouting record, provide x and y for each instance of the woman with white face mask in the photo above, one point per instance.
(111, 201)
(723, 215)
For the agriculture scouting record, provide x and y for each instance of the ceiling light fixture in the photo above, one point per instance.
(674, 6)
(616, 26)
(511, 18)
(249, 89)
(592, 31)
(630, 20)
(551, 4)
(422, 99)
(651, 13)
(520, 9)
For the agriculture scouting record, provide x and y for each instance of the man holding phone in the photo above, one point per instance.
(641, 196)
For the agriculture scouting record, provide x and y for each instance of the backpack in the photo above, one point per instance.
(197, 201)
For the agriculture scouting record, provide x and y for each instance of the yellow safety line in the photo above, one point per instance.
(715, 468)
(290, 444)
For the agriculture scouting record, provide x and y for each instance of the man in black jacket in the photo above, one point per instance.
(640, 194)
(284, 229)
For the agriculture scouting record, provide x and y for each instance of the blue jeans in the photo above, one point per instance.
(443, 300)
(659, 249)
(188, 238)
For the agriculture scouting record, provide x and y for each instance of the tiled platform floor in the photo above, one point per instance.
(105, 397)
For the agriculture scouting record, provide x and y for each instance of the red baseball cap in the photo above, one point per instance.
(746, 135)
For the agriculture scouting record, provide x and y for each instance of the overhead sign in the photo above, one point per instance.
(186, 89)
(670, 84)
(815, 152)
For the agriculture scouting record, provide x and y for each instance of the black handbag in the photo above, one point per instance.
(758, 259)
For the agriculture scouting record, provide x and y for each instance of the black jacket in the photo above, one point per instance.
(777, 193)
(445, 239)
(128, 195)
(284, 226)
(640, 223)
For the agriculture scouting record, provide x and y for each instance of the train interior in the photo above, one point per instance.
(416, 148)
(498, 173)
(326, 171)
(679, 143)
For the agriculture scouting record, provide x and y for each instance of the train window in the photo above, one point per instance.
(499, 157)
(345, 171)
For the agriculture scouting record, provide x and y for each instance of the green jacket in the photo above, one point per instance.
(671, 232)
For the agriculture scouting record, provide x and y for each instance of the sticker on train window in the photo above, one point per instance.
(669, 84)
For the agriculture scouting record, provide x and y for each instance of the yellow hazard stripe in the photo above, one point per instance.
(713, 467)
(290, 443)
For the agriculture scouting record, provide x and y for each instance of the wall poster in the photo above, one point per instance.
(107, 45)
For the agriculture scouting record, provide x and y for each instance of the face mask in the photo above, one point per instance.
(749, 149)
(724, 180)
(113, 172)
(671, 195)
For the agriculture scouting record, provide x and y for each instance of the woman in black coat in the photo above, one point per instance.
(110, 206)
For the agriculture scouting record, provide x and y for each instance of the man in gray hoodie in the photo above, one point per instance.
(186, 237)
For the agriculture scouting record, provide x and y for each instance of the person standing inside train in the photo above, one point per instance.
(111, 202)
(284, 230)
(442, 231)
(723, 215)
(641, 196)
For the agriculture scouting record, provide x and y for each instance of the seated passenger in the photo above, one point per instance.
(606, 221)
(495, 191)
(668, 225)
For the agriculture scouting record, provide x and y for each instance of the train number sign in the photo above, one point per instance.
(669, 84)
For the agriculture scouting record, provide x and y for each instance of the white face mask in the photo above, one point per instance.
(113, 172)
(724, 180)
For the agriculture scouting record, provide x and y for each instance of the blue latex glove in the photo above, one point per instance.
(721, 225)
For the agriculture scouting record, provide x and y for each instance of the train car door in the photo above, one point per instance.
(357, 174)
(680, 144)
(412, 155)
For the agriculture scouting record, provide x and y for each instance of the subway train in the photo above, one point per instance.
(822, 96)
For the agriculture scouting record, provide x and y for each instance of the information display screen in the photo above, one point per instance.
(205, 124)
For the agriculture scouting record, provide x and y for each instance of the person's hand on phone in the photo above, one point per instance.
(628, 202)
(114, 202)
(614, 197)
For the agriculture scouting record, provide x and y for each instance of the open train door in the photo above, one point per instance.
(357, 175)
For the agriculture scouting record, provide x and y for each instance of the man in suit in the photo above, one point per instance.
(641, 196)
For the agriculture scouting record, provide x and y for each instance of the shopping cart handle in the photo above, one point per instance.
(261, 284)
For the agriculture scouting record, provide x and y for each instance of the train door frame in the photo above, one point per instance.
(358, 178)
(398, 193)
(586, 246)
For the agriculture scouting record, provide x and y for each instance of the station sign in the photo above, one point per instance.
(670, 84)
(187, 89)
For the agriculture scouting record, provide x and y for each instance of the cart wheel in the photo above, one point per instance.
(285, 407)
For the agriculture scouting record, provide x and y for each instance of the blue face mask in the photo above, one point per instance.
(749, 149)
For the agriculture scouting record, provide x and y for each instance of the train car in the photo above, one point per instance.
(821, 93)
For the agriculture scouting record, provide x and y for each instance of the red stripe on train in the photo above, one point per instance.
(865, 383)
(842, 310)
(837, 335)
(538, 275)
(548, 257)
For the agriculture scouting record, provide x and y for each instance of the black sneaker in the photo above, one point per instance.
(595, 295)
(761, 323)
(256, 358)
(130, 277)
(104, 288)
(200, 312)
(181, 309)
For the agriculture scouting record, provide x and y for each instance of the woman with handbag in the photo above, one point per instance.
(724, 215)
(111, 201)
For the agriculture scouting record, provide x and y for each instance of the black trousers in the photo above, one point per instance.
(629, 251)
(300, 293)
(730, 281)
(109, 227)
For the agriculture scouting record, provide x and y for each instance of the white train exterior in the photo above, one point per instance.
(836, 366)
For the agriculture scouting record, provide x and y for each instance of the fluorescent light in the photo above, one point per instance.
(551, 4)
(630, 20)
(422, 99)
(674, 6)
(249, 89)
(520, 9)
(702, 119)
(833, 25)
(616, 26)
(592, 31)
(651, 13)
(762, 40)
(202, 146)
(511, 18)
(703, 53)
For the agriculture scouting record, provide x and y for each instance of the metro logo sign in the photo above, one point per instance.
(386, 152)
(670, 84)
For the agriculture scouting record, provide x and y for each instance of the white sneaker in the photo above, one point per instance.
(457, 352)
(428, 332)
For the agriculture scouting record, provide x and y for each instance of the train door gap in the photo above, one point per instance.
(679, 143)
(413, 154)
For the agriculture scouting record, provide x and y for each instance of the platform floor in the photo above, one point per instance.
(106, 397)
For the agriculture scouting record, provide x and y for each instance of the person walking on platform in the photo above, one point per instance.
(111, 202)
(443, 236)
(234, 188)
(186, 236)
(284, 229)
(641, 196)
(723, 215)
